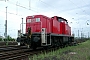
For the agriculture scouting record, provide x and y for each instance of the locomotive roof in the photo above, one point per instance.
(60, 17)
(37, 15)
(48, 17)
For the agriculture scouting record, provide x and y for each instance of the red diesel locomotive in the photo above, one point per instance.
(42, 31)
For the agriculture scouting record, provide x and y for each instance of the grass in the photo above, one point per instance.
(79, 52)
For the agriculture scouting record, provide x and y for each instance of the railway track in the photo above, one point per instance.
(16, 52)
(4, 43)
(13, 52)
(19, 53)
(10, 48)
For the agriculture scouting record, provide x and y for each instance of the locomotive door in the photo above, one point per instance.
(43, 37)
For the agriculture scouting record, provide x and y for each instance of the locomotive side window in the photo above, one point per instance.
(60, 20)
(37, 19)
(33, 20)
(28, 20)
(66, 22)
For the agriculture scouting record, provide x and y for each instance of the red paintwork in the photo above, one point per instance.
(36, 26)
(69, 30)
(55, 26)
(66, 29)
(61, 26)
(52, 25)
(58, 27)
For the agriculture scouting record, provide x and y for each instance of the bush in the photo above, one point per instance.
(9, 38)
(0, 39)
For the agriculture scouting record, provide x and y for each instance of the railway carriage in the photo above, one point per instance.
(42, 31)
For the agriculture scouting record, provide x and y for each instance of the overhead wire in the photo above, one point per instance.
(50, 6)
(47, 4)
(17, 8)
(86, 23)
(40, 1)
(31, 9)
(77, 6)
(10, 13)
(81, 10)
(29, 6)
(55, 7)
(22, 6)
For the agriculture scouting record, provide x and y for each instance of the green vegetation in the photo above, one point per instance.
(79, 52)
(9, 38)
(0, 39)
(78, 40)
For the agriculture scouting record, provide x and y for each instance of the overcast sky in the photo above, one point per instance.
(76, 12)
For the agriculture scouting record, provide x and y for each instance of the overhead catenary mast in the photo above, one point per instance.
(78, 33)
(22, 25)
(6, 24)
(29, 4)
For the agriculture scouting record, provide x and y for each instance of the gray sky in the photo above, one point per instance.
(76, 12)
